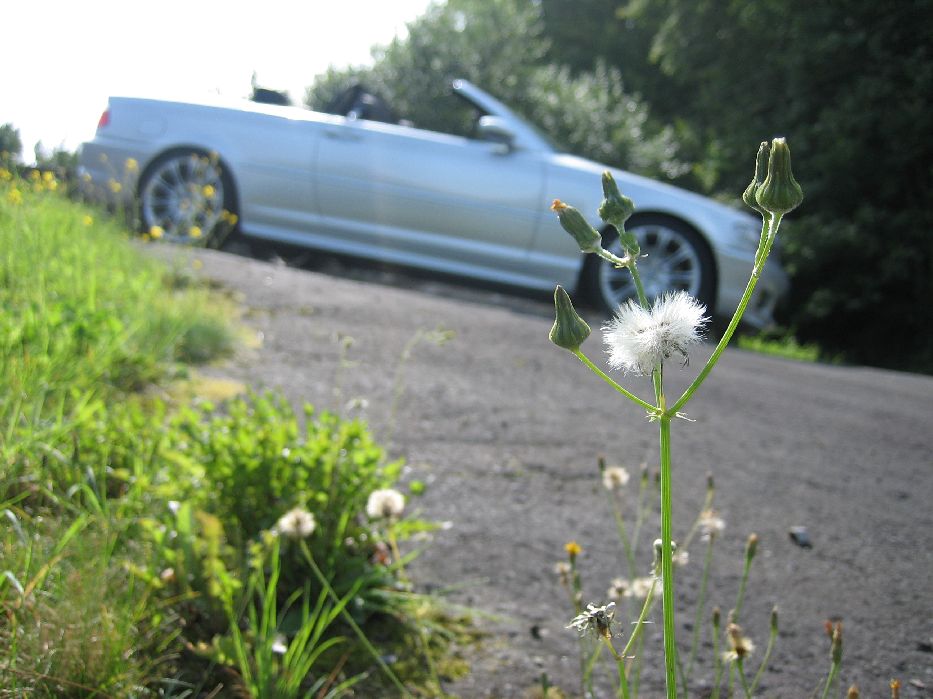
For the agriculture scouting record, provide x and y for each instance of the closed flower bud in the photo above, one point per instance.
(779, 193)
(569, 329)
(751, 547)
(836, 648)
(774, 619)
(761, 171)
(616, 209)
(572, 221)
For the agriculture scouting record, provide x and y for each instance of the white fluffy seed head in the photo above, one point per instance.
(297, 523)
(639, 340)
(385, 504)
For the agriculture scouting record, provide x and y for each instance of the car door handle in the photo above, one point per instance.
(343, 135)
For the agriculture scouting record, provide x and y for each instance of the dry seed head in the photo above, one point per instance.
(740, 647)
(614, 477)
(853, 692)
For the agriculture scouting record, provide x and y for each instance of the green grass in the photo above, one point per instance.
(780, 346)
(136, 553)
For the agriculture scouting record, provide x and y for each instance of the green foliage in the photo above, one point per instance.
(11, 145)
(850, 86)
(588, 111)
(591, 114)
(136, 543)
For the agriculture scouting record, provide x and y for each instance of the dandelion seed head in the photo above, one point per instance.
(740, 647)
(640, 588)
(638, 340)
(596, 619)
(618, 589)
(297, 523)
(711, 524)
(385, 504)
(614, 477)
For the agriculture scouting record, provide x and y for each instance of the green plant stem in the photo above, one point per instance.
(740, 597)
(403, 576)
(772, 638)
(351, 623)
(717, 664)
(707, 561)
(769, 231)
(623, 535)
(601, 374)
(667, 558)
(830, 680)
(620, 666)
(740, 664)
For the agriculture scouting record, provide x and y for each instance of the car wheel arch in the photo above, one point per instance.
(587, 283)
(227, 175)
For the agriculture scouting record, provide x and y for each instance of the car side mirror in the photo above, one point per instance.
(496, 130)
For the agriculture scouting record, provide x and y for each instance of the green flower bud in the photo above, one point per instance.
(569, 329)
(616, 209)
(761, 171)
(572, 221)
(751, 547)
(779, 193)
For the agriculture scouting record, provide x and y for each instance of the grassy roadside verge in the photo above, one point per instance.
(143, 545)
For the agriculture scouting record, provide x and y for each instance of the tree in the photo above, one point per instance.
(589, 111)
(851, 86)
(11, 146)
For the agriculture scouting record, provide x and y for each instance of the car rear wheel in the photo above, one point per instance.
(674, 257)
(187, 195)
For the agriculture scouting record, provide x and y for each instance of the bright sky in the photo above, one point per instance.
(65, 57)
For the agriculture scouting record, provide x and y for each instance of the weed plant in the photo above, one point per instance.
(643, 339)
(155, 547)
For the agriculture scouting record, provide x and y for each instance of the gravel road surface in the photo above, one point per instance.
(506, 430)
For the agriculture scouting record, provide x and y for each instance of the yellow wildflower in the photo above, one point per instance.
(156, 232)
(115, 186)
(195, 232)
(88, 220)
(131, 165)
(573, 549)
(208, 191)
(14, 196)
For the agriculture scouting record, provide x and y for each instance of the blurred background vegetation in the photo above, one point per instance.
(684, 90)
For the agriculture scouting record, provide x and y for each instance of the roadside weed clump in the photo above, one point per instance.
(155, 543)
(643, 339)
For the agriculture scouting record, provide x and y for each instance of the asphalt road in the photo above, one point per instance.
(506, 430)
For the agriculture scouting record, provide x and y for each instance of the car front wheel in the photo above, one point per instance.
(673, 257)
(186, 195)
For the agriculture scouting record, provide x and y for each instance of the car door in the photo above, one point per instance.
(416, 194)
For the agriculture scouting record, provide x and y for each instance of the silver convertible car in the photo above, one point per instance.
(361, 182)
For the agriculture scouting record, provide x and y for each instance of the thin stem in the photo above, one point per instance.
(740, 598)
(830, 680)
(764, 661)
(667, 558)
(694, 645)
(352, 624)
(769, 230)
(640, 622)
(640, 513)
(717, 663)
(740, 664)
(623, 535)
(653, 410)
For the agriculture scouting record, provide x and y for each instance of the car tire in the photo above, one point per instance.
(188, 195)
(674, 257)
